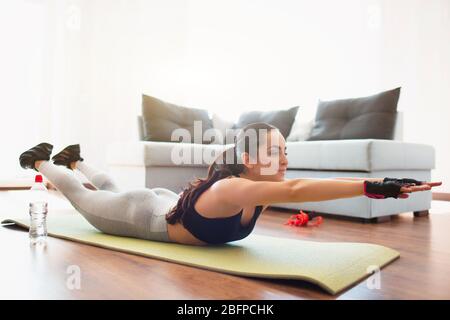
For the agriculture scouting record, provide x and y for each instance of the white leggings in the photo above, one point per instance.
(138, 213)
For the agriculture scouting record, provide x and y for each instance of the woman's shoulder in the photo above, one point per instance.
(212, 203)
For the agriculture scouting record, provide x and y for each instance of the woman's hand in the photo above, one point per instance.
(403, 181)
(391, 189)
(408, 188)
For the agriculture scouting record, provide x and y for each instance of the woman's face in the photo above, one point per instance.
(272, 159)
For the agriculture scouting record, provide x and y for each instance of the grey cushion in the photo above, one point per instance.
(161, 118)
(370, 117)
(282, 119)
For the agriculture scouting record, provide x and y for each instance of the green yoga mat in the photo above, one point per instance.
(332, 266)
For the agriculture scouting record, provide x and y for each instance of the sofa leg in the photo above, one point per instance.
(423, 213)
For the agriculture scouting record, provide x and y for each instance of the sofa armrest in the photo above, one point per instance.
(133, 162)
(126, 153)
(159, 153)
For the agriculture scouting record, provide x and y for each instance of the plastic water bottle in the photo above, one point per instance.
(38, 211)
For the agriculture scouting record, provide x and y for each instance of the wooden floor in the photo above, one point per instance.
(422, 272)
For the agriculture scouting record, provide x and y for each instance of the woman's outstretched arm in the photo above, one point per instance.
(356, 179)
(241, 192)
(306, 190)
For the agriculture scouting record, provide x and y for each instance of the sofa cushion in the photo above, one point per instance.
(224, 128)
(161, 118)
(360, 155)
(370, 117)
(282, 119)
(301, 130)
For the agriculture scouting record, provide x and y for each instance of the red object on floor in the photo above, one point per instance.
(302, 220)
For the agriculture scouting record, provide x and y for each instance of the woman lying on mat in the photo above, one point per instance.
(241, 183)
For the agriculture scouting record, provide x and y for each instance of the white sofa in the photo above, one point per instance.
(148, 164)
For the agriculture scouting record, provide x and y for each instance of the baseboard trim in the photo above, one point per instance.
(441, 196)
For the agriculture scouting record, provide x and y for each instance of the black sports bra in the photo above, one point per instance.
(218, 230)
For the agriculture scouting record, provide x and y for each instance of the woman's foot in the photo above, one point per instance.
(42, 151)
(68, 156)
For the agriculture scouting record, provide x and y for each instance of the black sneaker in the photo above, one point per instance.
(68, 155)
(42, 151)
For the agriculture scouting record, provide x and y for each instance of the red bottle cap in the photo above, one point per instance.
(38, 178)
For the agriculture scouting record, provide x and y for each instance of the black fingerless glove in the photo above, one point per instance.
(381, 190)
(403, 181)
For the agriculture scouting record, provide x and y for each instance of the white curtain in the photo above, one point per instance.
(22, 80)
(41, 78)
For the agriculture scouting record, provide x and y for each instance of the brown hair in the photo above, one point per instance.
(227, 166)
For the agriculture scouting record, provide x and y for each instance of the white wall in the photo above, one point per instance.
(277, 54)
(229, 56)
